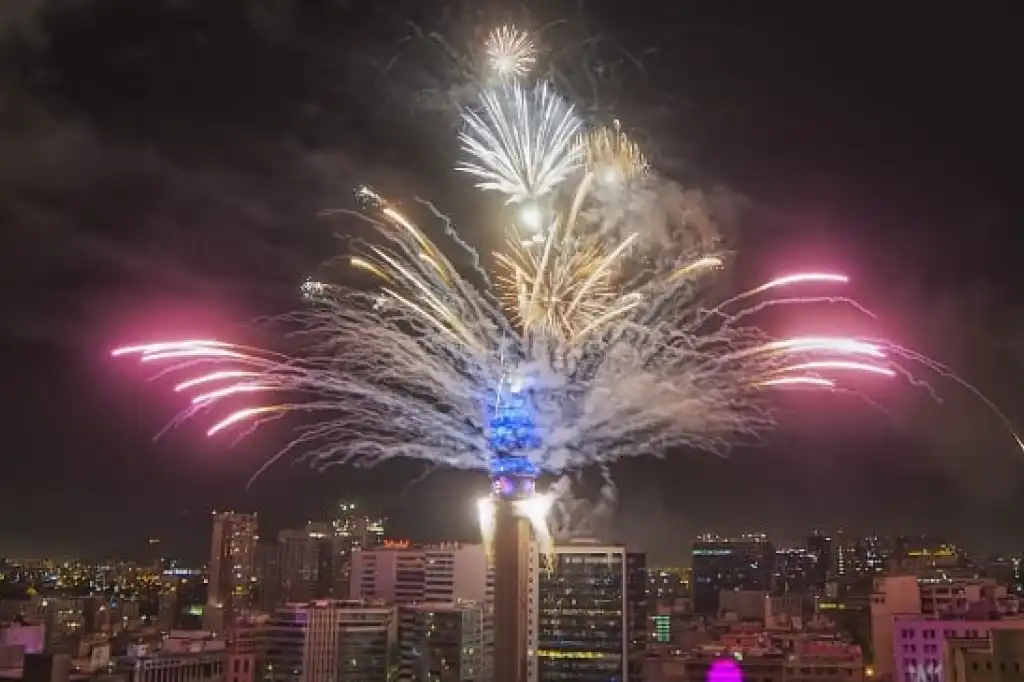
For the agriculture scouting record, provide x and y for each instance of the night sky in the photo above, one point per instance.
(162, 163)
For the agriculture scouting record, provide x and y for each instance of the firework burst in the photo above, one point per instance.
(418, 376)
(510, 52)
(610, 359)
(522, 142)
(612, 157)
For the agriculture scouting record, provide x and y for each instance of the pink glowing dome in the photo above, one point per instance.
(725, 670)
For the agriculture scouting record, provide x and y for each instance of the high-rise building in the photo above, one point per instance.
(443, 641)
(311, 564)
(232, 569)
(449, 573)
(591, 615)
(328, 640)
(743, 563)
(359, 530)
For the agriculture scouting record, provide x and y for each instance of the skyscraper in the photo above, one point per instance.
(591, 615)
(232, 569)
(743, 563)
(311, 563)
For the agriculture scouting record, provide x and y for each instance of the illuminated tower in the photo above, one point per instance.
(508, 518)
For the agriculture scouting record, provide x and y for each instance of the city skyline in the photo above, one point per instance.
(906, 187)
(679, 554)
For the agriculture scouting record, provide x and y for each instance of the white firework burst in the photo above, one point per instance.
(510, 52)
(523, 142)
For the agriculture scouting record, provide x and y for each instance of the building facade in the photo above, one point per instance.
(328, 640)
(591, 615)
(232, 569)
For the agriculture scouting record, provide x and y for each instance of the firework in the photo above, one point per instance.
(567, 284)
(522, 143)
(583, 352)
(510, 52)
(612, 157)
(422, 375)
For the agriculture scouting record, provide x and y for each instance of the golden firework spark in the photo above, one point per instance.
(611, 156)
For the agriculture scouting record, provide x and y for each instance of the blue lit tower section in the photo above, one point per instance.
(505, 516)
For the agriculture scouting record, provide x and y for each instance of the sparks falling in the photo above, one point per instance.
(411, 370)
(614, 359)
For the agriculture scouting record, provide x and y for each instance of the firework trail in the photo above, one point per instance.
(597, 331)
(413, 370)
(522, 142)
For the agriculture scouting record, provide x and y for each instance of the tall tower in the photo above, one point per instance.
(509, 518)
(232, 569)
(512, 490)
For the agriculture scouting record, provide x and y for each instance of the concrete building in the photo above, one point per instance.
(910, 598)
(919, 642)
(169, 666)
(232, 569)
(405, 575)
(999, 658)
(743, 604)
(31, 638)
(891, 596)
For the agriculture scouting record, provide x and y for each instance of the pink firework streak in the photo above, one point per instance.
(394, 379)
(840, 365)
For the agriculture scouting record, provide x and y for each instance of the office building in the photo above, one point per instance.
(591, 615)
(443, 641)
(311, 564)
(744, 563)
(403, 574)
(328, 640)
(232, 569)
